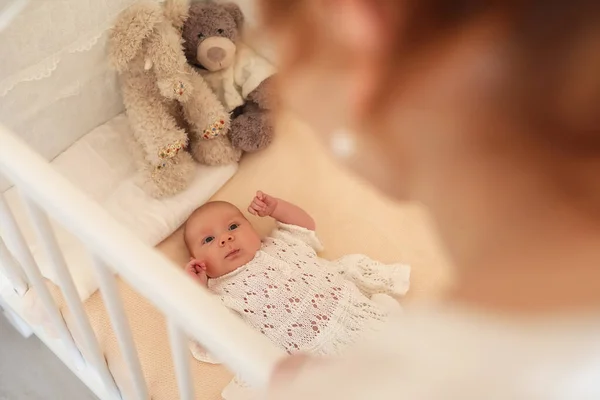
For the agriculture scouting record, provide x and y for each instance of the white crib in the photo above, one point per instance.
(55, 87)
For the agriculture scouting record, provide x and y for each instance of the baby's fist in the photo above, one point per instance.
(197, 270)
(262, 205)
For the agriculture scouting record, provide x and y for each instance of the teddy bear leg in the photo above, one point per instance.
(169, 176)
(159, 183)
(217, 151)
(174, 176)
(166, 168)
(252, 131)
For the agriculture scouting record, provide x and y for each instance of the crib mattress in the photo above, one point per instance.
(364, 222)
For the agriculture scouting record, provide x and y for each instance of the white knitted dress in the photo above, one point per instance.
(305, 303)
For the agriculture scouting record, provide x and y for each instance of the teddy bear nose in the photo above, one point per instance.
(215, 54)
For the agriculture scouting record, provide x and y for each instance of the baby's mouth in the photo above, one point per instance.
(232, 253)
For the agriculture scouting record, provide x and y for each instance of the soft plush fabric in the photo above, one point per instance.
(171, 110)
(234, 84)
(100, 165)
(236, 73)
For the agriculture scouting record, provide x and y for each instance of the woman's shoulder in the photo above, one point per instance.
(480, 353)
(446, 354)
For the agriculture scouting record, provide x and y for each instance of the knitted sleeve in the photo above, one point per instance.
(298, 235)
(372, 277)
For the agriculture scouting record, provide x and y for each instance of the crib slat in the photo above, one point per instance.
(17, 244)
(151, 274)
(10, 269)
(116, 313)
(35, 277)
(181, 359)
(46, 236)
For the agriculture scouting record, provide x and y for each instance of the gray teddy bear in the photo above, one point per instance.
(241, 79)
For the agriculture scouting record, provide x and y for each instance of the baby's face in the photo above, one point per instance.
(222, 238)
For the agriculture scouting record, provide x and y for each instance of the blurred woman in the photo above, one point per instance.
(488, 113)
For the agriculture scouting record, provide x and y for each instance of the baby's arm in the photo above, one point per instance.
(264, 205)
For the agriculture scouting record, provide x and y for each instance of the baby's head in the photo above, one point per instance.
(219, 235)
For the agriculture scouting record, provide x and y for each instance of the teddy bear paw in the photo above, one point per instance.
(218, 151)
(215, 129)
(176, 89)
(171, 150)
(251, 132)
(171, 176)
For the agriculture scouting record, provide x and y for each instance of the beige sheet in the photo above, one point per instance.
(351, 218)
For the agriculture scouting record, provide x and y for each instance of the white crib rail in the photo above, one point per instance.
(15, 241)
(180, 357)
(35, 277)
(91, 348)
(146, 270)
(12, 271)
(116, 312)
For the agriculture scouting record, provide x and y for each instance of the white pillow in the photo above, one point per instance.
(100, 165)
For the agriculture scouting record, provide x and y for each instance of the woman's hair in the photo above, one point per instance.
(554, 54)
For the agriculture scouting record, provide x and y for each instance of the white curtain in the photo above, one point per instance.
(55, 84)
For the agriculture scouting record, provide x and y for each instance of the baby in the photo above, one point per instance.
(280, 286)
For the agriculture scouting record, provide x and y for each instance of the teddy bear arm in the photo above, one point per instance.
(153, 124)
(168, 62)
(165, 50)
(204, 114)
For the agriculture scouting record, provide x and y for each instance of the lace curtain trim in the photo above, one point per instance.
(46, 67)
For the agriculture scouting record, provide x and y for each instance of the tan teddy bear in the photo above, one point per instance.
(171, 110)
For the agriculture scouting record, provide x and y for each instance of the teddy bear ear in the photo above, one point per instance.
(235, 12)
(132, 27)
(177, 11)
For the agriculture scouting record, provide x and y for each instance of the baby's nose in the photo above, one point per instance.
(226, 238)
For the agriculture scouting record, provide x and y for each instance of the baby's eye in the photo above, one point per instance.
(233, 227)
(208, 239)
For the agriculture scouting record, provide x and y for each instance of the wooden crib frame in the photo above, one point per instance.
(113, 250)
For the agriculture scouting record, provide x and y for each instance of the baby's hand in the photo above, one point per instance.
(263, 205)
(197, 270)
